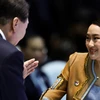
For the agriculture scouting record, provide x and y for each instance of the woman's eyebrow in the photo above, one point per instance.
(93, 34)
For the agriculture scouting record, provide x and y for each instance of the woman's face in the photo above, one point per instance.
(93, 41)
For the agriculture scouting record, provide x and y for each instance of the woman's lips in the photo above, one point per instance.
(92, 51)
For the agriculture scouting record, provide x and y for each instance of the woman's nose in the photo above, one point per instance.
(91, 43)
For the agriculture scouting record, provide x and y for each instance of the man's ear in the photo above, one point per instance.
(15, 23)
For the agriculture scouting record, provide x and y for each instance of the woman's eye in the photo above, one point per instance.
(95, 38)
(87, 37)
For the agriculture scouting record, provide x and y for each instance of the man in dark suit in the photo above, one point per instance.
(13, 23)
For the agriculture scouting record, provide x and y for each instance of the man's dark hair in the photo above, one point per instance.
(13, 8)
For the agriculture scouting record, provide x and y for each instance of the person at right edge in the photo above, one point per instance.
(80, 79)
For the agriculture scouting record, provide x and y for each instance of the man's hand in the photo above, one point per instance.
(29, 67)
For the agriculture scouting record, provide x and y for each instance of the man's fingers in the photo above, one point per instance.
(33, 65)
(29, 67)
(28, 62)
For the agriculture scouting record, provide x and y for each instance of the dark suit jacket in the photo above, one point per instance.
(11, 68)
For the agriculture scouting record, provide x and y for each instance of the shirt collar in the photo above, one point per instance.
(2, 34)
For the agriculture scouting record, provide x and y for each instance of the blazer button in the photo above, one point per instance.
(76, 83)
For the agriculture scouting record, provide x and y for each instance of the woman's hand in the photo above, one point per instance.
(29, 67)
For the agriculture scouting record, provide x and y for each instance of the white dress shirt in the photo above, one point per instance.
(2, 34)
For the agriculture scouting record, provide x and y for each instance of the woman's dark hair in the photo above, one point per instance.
(96, 22)
(96, 18)
(13, 8)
